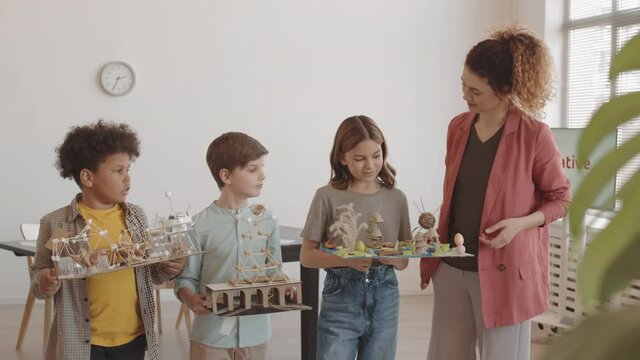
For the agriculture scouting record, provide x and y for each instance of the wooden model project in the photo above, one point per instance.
(346, 229)
(260, 286)
(78, 257)
(424, 243)
(374, 235)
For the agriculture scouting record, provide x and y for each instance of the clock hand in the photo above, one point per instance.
(116, 83)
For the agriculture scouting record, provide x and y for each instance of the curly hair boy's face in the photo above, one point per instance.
(109, 184)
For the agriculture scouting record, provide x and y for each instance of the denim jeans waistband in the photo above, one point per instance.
(349, 276)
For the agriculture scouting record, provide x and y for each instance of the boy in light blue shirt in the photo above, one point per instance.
(236, 161)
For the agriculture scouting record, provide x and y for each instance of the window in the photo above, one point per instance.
(594, 31)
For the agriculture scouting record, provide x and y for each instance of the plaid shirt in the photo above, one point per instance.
(70, 335)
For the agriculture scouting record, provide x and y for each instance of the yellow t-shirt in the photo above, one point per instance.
(113, 297)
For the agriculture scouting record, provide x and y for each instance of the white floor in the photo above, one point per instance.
(413, 337)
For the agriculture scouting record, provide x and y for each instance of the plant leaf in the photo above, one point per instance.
(601, 173)
(606, 119)
(623, 270)
(612, 335)
(607, 247)
(629, 187)
(627, 58)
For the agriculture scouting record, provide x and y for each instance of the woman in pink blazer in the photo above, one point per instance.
(503, 185)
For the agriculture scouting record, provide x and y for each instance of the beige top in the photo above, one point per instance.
(390, 203)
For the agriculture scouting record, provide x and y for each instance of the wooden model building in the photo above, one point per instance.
(426, 240)
(424, 243)
(78, 257)
(374, 235)
(345, 229)
(429, 241)
(260, 285)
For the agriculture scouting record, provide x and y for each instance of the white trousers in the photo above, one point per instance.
(458, 324)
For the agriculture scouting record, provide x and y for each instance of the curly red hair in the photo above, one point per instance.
(517, 65)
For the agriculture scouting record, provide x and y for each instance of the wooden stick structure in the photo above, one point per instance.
(257, 267)
(77, 257)
(259, 285)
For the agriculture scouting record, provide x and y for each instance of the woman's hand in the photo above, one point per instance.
(501, 233)
(398, 263)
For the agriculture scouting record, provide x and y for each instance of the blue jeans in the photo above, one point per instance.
(359, 314)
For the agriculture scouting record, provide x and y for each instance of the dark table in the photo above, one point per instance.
(310, 283)
(290, 253)
(18, 249)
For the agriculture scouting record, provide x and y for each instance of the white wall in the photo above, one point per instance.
(545, 18)
(286, 72)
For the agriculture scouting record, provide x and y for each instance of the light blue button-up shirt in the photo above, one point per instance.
(223, 232)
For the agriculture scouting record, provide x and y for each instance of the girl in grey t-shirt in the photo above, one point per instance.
(360, 302)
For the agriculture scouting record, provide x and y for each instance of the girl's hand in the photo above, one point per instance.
(398, 263)
(502, 232)
(360, 264)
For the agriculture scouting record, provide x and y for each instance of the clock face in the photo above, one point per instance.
(117, 78)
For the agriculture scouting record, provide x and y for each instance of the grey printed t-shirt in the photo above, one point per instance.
(390, 203)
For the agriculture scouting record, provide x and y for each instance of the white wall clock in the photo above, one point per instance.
(117, 78)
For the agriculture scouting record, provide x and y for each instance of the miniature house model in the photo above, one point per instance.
(260, 284)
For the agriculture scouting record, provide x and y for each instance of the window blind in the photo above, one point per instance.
(594, 31)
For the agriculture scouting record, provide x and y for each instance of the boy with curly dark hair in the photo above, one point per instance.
(107, 316)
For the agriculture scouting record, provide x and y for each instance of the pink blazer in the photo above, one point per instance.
(526, 176)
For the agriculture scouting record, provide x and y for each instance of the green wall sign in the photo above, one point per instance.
(576, 169)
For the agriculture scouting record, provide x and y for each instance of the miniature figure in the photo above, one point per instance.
(374, 235)
(459, 240)
(425, 241)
